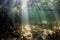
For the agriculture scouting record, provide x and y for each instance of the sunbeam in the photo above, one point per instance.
(24, 12)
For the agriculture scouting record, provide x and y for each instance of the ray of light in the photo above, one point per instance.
(53, 7)
(24, 11)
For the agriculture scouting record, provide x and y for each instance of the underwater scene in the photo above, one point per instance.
(29, 19)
